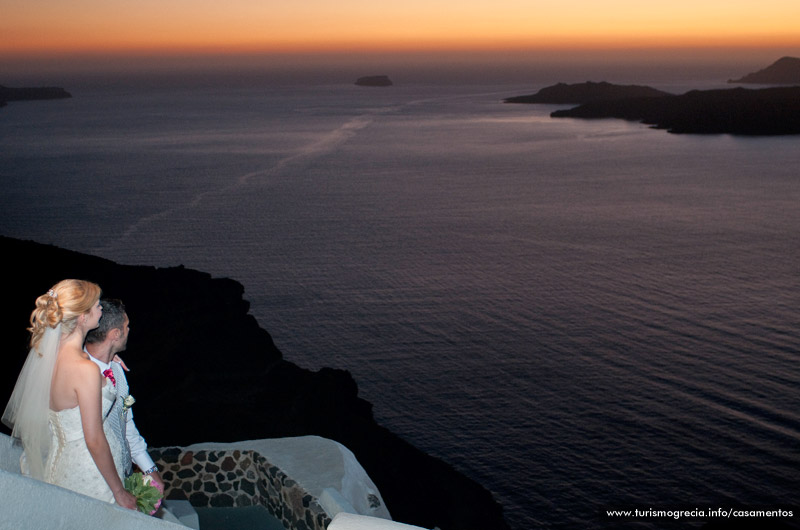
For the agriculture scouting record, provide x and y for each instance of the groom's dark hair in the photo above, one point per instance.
(113, 318)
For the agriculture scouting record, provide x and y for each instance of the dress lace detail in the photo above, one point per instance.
(70, 464)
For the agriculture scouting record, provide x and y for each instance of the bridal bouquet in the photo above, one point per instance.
(147, 492)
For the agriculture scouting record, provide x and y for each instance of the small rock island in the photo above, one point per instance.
(31, 93)
(374, 80)
(784, 71)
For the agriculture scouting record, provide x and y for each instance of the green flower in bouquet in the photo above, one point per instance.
(147, 493)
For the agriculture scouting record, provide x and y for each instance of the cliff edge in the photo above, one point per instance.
(740, 111)
(784, 71)
(202, 370)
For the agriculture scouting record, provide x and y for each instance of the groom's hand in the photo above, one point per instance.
(156, 476)
(118, 359)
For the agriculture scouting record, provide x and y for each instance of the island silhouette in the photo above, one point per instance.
(563, 93)
(784, 71)
(739, 111)
(31, 93)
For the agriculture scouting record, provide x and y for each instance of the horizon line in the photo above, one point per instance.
(409, 48)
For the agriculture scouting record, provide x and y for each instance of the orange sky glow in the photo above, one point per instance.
(42, 27)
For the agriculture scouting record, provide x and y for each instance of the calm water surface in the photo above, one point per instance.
(574, 313)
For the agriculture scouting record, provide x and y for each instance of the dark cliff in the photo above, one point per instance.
(769, 111)
(203, 370)
(564, 94)
(784, 71)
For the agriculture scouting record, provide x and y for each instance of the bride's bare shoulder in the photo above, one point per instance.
(75, 375)
(78, 363)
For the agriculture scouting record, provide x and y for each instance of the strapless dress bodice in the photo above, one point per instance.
(69, 463)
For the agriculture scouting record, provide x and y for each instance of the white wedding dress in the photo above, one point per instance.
(70, 465)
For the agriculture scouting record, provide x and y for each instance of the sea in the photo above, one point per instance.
(580, 315)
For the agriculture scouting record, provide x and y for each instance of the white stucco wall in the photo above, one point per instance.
(26, 503)
(351, 521)
(9, 454)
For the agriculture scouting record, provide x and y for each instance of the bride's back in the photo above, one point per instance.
(55, 375)
(72, 373)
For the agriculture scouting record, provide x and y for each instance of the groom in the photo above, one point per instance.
(102, 344)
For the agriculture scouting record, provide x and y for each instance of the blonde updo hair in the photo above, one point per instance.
(63, 303)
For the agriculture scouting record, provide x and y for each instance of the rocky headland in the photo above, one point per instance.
(575, 94)
(768, 111)
(784, 71)
(31, 93)
(374, 80)
(202, 370)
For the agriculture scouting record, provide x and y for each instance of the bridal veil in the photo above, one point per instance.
(27, 412)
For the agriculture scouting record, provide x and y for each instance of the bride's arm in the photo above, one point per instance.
(89, 388)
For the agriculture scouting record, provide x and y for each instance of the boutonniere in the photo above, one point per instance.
(127, 403)
(110, 375)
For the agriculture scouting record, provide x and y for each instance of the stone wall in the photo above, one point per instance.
(235, 478)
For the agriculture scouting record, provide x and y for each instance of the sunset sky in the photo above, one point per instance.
(43, 26)
(38, 29)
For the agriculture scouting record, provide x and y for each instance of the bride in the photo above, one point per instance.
(60, 400)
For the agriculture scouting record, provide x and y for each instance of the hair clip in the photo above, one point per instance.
(52, 293)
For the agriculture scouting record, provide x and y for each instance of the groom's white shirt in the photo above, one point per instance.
(136, 443)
